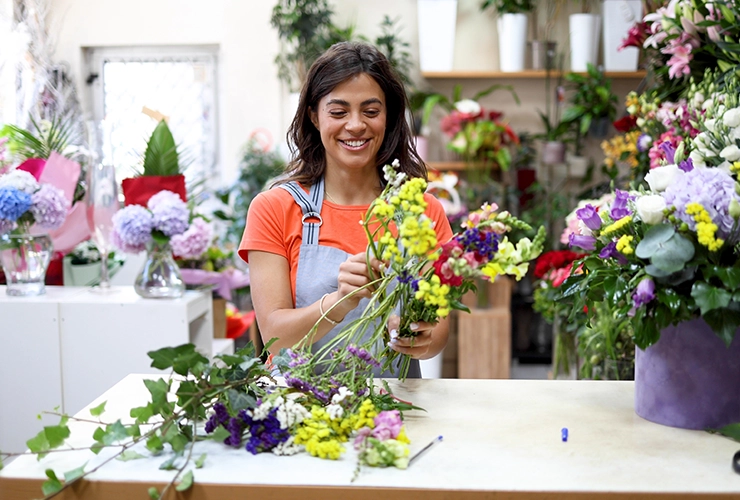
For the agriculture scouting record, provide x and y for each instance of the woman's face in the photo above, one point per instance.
(351, 120)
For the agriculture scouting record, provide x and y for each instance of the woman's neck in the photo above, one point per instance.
(351, 188)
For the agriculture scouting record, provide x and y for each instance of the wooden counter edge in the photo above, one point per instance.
(26, 489)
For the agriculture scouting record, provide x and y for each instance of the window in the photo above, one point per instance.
(176, 82)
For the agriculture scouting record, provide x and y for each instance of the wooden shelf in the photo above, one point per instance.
(529, 74)
(446, 166)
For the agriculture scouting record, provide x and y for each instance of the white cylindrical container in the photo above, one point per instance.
(584, 40)
(436, 20)
(512, 41)
(619, 17)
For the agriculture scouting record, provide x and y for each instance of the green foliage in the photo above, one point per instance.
(161, 156)
(605, 343)
(395, 49)
(98, 410)
(431, 100)
(508, 6)
(43, 139)
(256, 168)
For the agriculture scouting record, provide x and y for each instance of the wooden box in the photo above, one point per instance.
(484, 343)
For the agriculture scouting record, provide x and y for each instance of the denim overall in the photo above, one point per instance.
(318, 267)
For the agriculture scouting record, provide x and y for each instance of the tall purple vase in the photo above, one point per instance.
(689, 378)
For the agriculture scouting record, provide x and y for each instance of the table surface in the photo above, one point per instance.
(502, 439)
(84, 294)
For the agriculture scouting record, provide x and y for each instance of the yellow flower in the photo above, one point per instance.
(616, 226)
(624, 244)
(705, 228)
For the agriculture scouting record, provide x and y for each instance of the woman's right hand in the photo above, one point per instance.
(353, 276)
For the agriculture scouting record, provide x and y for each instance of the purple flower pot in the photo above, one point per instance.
(689, 378)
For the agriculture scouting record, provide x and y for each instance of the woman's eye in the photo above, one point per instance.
(337, 113)
(372, 112)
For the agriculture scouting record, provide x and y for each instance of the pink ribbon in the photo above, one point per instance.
(224, 282)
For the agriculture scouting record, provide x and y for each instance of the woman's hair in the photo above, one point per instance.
(339, 63)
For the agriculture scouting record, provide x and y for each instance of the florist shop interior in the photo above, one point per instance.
(548, 246)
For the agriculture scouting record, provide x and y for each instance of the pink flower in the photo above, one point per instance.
(635, 36)
(680, 51)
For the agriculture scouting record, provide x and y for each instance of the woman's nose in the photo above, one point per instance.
(356, 122)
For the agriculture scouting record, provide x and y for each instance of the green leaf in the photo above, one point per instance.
(74, 474)
(154, 444)
(38, 443)
(220, 434)
(129, 455)
(269, 344)
(724, 322)
(115, 432)
(668, 262)
(98, 410)
(708, 297)
(730, 276)
(240, 400)
(56, 434)
(161, 156)
(653, 240)
(52, 485)
(142, 414)
(153, 493)
(169, 464)
(186, 483)
(200, 461)
(670, 298)
(732, 431)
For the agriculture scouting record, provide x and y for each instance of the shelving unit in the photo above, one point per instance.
(529, 74)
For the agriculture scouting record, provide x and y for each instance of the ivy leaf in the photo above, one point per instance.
(732, 431)
(153, 493)
(708, 297)
(730, 277)
(186, 483)
(724, 323)
(52, 485)
(114, 432)
(653, 240)
(670, 298)
(129, 455)
(169, 464)
(240, 400)
(269, 344)
(98, 410)
(200, 461)
(220, 434)
(74, 474)
(154, 444)
(142, 414)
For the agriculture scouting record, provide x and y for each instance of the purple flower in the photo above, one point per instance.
(611, 251)
(686, 165)
(235, 428)
(644, 142)
(13, 203)
(264, 434)
(483, 244)
(170, 214)
(387, 425)
(644, 293)
(619, 206)
(132, 228)
(194, 241)
(6, 226)
(590, 217)
(49, 206)
(713, 189)
(363, 355)
(307, 388)
(670, 152)
(587, 243)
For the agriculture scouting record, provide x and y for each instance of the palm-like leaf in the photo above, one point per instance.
(161, 156)
(27, 144)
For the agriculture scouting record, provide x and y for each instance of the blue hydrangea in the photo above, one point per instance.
(713, 188)
(13, 203)
(133, 226)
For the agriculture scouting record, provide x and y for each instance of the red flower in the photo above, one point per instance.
(625, 124)
(555, 259)
(635, 36)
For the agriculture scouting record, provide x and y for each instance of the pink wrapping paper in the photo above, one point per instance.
(224, 282)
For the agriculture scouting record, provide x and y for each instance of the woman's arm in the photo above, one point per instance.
(273, 301)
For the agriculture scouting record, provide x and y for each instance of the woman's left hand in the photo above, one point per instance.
(417, 346)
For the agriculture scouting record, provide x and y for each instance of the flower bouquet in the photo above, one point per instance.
(422, 282)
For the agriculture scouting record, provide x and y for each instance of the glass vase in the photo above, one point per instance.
(160, 277)
(24, 258)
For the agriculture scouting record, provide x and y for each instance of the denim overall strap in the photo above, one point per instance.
(310, 206)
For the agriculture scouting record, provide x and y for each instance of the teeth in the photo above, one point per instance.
(354, 144)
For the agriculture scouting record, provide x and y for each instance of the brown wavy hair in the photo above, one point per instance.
(339, 63)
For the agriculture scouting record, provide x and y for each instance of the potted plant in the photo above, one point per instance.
(512, 31)
(557, 131)
(594, 105)
(584, 37)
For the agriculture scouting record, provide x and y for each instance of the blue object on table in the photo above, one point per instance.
(564, 434)
(434, 441)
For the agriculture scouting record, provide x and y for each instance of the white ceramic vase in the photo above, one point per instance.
(619, 17)
(512, 41)
(584, 40)
(437, 20)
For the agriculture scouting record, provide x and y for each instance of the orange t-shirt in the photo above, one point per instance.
(274, 225)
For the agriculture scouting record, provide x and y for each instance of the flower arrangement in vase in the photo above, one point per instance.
(25, 254)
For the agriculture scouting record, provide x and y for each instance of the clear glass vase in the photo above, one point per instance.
(160, 277)
(24, 258)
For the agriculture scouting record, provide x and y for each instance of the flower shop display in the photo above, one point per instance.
(162, 227)
(511, 23)
(24, 255)
(81, 266)
(666, 258)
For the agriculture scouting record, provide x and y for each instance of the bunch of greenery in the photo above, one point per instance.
(508, 6)
(605, 346)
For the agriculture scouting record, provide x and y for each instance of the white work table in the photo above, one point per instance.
(502, 439)
(64, 348)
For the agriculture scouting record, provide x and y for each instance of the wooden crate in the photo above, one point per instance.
(496, 294)
(484, 343)
(219, 318)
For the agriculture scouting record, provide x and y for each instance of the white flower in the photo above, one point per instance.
(20, 180)
(288, 447)
(730, 153)
(731, 118)
(342, 393)
(661, 177)
(650, 208)
(697, 158)
(468, 106)
(707, 104)
(335, 411)
(725, 167)
(711, 124)
(698, 100)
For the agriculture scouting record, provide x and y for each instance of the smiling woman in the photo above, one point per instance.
(303, 241)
